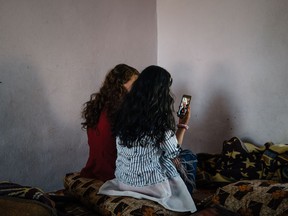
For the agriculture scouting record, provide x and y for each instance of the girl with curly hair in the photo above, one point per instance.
(147, 142)
(98, 114)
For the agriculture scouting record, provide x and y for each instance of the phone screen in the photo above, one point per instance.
(183, 107)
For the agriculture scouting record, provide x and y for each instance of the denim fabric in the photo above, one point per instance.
(186, 164)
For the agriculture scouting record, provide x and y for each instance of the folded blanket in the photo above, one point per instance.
(15, 199)
(241, 160)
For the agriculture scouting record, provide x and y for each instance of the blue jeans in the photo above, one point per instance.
(186, 164)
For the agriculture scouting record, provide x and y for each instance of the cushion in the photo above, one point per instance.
(206, 169)
(275, 162)
(214, 211)
(85, 190)
(15, 198)
(10, 189)
(253, 197)
(12, 206)
(239, 162)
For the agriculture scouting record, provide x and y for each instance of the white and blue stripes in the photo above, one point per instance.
(143, 166)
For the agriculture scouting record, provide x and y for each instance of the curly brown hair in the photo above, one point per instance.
(109, 97)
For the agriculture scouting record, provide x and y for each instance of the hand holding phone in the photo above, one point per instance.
(184, 104)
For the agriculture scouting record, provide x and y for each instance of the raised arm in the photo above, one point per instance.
(182, 126)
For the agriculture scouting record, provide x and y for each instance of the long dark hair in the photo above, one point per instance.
(147, 111)
(109, 97)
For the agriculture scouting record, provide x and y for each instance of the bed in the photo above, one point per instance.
(243, 179)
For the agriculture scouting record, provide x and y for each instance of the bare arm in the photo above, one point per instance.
(181, 130)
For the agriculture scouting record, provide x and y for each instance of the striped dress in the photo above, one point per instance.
(148, 172)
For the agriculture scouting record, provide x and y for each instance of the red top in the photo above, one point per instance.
(102, 151)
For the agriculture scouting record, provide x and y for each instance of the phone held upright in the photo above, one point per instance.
(184, 104)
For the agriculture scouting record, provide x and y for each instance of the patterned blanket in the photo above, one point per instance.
(17, 200)
(243, 161)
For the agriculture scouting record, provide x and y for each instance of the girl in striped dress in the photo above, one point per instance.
(147, 141)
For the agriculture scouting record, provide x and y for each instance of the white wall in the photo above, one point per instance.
(232, 57)
(53, 55)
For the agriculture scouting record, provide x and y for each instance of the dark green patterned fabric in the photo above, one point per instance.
(275, 162)
(236, 162)
(241, 160)
(206, 169)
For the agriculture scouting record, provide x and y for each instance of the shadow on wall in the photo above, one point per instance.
(36, 150)
(217, 122)
(216, 125)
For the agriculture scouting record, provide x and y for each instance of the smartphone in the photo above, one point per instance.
(184, 104)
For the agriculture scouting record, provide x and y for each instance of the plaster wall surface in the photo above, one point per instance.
(231, 56)
(53, 55)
